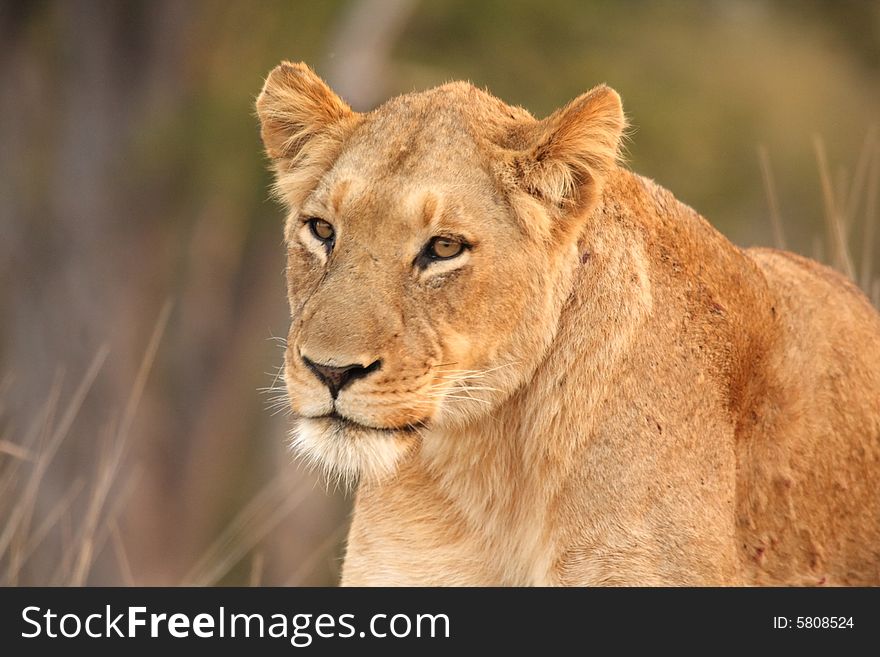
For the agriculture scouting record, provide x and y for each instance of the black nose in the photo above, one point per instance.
(337, 378)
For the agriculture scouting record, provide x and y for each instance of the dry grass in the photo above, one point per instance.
(251, 525)
(772, 198)
(25, 470)
(85, 518)
(849, 212)
(20, 479)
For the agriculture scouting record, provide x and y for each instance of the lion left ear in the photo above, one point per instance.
(572, 151)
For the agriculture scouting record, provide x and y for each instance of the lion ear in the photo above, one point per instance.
(295, 106)
(571, 152)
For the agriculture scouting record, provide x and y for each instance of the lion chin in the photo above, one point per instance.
(348, 452)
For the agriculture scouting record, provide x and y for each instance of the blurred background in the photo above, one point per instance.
(141, 263)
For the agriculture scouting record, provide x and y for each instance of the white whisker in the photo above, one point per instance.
(474, 399)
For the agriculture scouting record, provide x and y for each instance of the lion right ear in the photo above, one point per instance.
(570, 153)
(294, 107)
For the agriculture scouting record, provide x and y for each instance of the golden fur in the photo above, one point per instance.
(600, 390)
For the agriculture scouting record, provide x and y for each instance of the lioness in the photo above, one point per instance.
(543, 369)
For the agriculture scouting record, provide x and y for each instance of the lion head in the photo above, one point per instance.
(431, 245)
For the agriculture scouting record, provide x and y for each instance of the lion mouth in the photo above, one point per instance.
(347, 422)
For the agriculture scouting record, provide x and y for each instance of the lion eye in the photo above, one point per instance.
(442, 248)
(322, 230)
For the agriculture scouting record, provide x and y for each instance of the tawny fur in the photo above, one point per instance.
(602, 390)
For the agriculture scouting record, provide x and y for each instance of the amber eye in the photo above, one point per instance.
(443, 248)
(322, 230)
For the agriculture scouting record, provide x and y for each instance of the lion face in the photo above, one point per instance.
(406, 295)
(430, 247)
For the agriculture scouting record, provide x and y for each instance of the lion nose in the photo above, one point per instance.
(337, 378)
